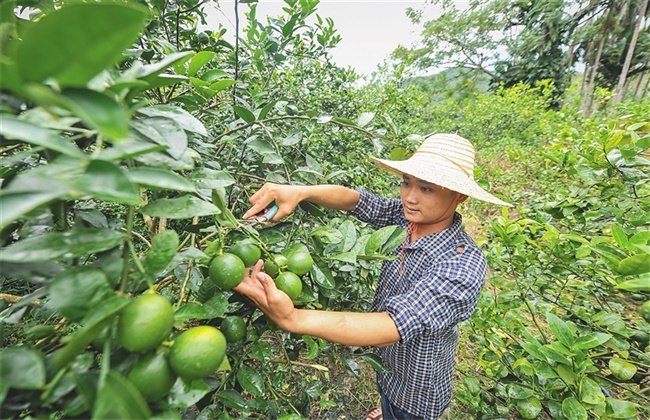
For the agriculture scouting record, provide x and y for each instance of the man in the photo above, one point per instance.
(420, 297)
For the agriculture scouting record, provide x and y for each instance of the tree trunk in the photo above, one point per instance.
(620, 89)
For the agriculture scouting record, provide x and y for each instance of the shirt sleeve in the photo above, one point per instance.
(378, 211)
(442, 298)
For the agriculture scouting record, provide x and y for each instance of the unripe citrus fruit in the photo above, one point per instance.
(247, 251)
(299, 262)
(644, 311)
(274, 264)
(153, 376)
(227, 270)
(289, 283)
(197, 352)
(233, 328)
(145, 322)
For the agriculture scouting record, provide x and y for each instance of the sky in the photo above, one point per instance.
(370, 30)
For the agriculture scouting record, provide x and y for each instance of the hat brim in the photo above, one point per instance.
(451, 180)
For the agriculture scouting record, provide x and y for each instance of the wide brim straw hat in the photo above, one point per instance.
(446, 160)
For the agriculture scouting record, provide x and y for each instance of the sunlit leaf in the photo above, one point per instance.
(622, 369)
(183, 207)
(159, 179)
(14, 129)
(118, 398)
(56, 245)
(251, 380)
(76, 42)
(99, 111)
(105, 181)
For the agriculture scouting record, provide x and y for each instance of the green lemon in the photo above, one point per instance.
(644, 311)
(289, 283)
(274, 264)
(153, 376)
(299, 262)
(227, 270)
(197, 352)
(145, 323)
(233, 328)
(247, 251)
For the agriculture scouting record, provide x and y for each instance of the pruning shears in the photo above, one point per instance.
(263, 216)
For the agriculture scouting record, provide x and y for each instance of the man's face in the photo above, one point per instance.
(428, 204)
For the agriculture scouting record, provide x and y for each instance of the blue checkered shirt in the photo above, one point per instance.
(436, 288)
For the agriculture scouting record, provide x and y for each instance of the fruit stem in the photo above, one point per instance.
(130, 212)
(185, 280)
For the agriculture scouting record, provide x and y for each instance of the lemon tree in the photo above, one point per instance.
(227, 270)
(145, 322)
(197, 352)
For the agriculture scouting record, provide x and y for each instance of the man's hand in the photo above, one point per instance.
(261, 289)
(286, 198)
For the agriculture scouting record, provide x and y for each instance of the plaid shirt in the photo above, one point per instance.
(437, 287)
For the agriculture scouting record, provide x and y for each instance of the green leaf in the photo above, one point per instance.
(75, 291)
(186, 120)
(560, 330)
(100, 112)
(56, 245)
(217, 305)
(118, 398)
(379, 238)
(14, 129)
(518, 392)
(191, 311)
(199, 60)
(374, 361)
(620, 237)
(225, 218)
(622, 369)
(232, 399)
(620, 409)
(151, 72)
(244, 114)
(105, 181)
(163, 250)
(93, 324)
(184, 207)
(185, 394)
(78, 41)
(221, 85)
(590, 392)
(21, 368)
(322, 275)
(394, 240)
(529, 408)
(251, 380)
(16, 204)
(313, 347)
(592, 340)
(164, 131)
(642, 284)
(634, 265)
(364, 118)
(159, 179)
(572, 409)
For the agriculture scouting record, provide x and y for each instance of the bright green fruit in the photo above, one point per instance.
(299, 262)
(289, 283)
(247, 251)
(233, 328)
(197, 352)
(644, 311)
(274, 264)
(145, 322)
(153, 376)
(227, 270)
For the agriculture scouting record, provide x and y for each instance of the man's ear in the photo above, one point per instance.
(461, 198)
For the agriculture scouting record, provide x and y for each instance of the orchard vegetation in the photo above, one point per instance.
(132, 134)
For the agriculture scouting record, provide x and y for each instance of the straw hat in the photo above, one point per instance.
(446, 160)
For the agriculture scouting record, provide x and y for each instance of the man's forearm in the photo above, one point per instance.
(347, 328)
(331, 196)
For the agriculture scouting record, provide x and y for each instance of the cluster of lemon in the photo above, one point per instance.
(147, 321)
(229, 269)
